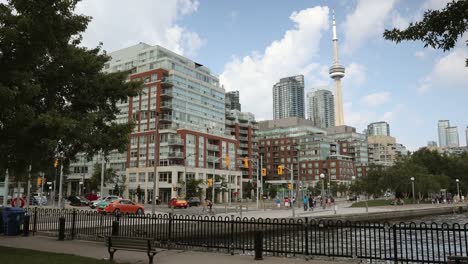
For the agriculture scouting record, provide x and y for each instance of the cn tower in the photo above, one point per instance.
(337, 71)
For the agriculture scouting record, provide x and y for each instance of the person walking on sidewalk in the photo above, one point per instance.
(311, 203)
(306, 201)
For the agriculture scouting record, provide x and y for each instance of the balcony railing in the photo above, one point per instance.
(176, 155)
(212, 147)
(166, 82)
(166, 105)
(165, 118)
(167, 93)
(175, 141)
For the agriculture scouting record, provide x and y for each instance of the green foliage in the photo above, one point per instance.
(439, 29)
(431, 170)
(247, 189)
(54, 96)
(110, 176)
(194, 187)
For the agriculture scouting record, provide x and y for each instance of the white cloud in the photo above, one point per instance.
(367, 21)
(120, 23)
(420, 54)
(255, 74)
(355, 74)
(398, 21)
(376, 99)
(448, 71)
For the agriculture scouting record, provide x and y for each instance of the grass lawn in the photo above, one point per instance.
(378, 202)
(18, 255)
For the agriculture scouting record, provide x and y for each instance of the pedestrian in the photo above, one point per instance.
(286, 202)
(311, 203)
(278, 202)
(306, 201)
(210, 206)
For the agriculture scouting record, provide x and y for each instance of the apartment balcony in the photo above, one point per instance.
(212, 147)
(166, 105)
(229, 122)
(165, 118)
(167, 93)
(175, 155)
(243, 131)
(243, 138)
(230, 131)
(245, 125)
(255, 127)
(167, 82)
(244, 145)
(175, 142)
(168, 126)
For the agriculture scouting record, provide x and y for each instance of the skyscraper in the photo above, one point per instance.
(232, 101)
(288, 97)
(452, 137)
(442, 127)
(466, 134)
(337, 71)
(321, 107)
(381, 128)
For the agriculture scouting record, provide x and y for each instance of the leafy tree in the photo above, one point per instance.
(139, 192)
(439, 28)
(248, 187)
(54, 96)
(110, 176)
(194, 187)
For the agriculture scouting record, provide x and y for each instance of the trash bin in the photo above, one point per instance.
(13, 218)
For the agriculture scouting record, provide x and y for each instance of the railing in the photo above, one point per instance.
(399, 243)
(212, 147)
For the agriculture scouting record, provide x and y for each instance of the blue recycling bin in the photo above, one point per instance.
(13, 218)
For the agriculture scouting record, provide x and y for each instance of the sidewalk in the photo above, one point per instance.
(99, 251)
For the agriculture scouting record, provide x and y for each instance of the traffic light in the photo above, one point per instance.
(246, 162)
(263, 172)
(210, 182)
(280, 170)
(227, 161)
(56, 163)
(39, 181)
(289, 186)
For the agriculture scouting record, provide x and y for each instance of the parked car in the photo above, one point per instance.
(78, 201)
(123, 206)
(178, 203)
(103, 202)
(194, 201)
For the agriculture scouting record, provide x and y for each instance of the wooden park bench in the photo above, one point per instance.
(147, 245)
(457, 260)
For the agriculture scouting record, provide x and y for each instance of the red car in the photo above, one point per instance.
(124, 206)
(178, 203)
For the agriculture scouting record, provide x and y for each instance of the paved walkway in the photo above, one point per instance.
(99, 251)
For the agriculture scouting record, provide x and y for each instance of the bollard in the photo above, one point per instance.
(61, 228)
(115, 228)
(258, 245)
(26, 225)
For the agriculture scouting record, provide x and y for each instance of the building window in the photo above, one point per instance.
(141, 177)
(165, 177)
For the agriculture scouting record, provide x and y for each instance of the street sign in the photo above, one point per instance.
(49, 183)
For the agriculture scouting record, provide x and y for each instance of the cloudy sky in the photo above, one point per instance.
(252, 44)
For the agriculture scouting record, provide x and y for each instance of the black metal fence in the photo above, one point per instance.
(403, 242)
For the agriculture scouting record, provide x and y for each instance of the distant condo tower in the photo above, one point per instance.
(337, 71)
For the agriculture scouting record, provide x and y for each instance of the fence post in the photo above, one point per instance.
(169, 235)
(232, 235)
(395, 251)
(306, 230)
(26, 225)
(35, 221)
(115, 228)
(73, 224)
(61, 235)
(258, 245)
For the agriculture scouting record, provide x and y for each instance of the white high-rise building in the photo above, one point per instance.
(452, 137)
(321, 107)
(442, 129)
(288, 97)
(381, 128)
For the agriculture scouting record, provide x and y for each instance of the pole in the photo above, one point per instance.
(155, 176)
(323, 188)
(185, 177)
(5, 195)
(257, 185)
(261, 177)
(102, 175)
(28, 193)
(458, 190)
(214, 180)
(414, 197)
(292, 192)
(18, 203)
(60, 185)
(42, 189)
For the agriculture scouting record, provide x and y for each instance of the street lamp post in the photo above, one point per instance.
(185, 173)
(322, 177)
(458, 188)
(412, 186)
